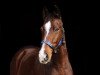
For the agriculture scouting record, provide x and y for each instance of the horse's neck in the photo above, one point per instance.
(62, 60)
(64, 42)
(62, 54)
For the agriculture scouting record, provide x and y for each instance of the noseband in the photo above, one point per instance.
(51, 46)
(55, 48)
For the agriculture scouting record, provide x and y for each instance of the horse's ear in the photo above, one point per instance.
(45, 12)
(56, 11)
(51, 11)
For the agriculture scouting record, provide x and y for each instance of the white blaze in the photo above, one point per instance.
(42, 55)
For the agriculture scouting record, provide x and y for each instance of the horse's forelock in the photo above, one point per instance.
(51, 12)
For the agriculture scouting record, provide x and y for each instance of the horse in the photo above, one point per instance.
(52, 57)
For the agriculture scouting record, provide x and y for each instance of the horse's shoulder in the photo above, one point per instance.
(25, 53)
(26, 50)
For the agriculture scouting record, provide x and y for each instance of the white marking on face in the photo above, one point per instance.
(42, 54)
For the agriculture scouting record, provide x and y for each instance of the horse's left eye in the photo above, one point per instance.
(42, 29)
(56, 29)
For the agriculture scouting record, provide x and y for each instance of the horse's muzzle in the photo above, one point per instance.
(43, 59)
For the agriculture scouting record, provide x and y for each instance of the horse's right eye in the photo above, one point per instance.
(56, 29)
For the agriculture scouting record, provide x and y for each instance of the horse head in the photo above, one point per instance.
(52, 34)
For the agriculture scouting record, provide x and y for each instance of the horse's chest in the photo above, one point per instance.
(59, 71)
(48, 71)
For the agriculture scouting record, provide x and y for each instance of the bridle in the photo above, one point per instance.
(55, 48)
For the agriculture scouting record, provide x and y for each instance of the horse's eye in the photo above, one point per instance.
(56, 29)
(41, 28)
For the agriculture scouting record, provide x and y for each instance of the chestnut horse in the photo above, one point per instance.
(52, 57)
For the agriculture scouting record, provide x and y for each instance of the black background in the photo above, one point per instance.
(20, 24)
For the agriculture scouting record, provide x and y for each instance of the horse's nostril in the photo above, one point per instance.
(46, 58)
(42, 61)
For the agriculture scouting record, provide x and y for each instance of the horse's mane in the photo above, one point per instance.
(51, 12)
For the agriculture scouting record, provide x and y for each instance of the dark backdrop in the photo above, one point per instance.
(20, 24)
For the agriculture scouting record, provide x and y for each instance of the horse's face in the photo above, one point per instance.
(52, 33)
